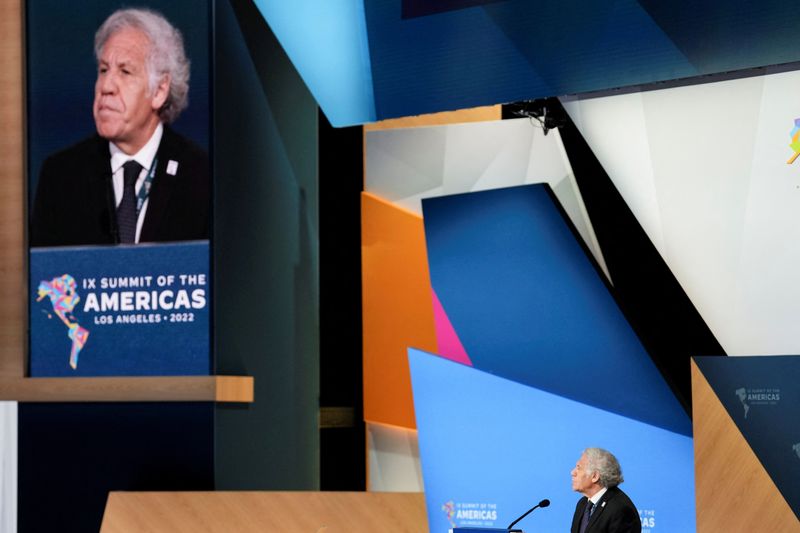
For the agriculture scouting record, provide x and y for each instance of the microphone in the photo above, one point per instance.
(543, 503)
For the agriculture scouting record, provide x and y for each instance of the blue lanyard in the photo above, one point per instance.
(144, 190)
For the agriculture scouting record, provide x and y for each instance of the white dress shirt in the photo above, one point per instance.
(597, 495)
(144, 157)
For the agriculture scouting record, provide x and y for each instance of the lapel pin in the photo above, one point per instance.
(172, 167)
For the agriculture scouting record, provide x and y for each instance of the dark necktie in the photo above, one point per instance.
(587, 512)
(126, 212)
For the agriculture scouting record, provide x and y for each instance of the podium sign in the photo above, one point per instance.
(483, 530)
(120, 310)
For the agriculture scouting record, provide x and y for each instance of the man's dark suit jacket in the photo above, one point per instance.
(75, 202)
(615, 513)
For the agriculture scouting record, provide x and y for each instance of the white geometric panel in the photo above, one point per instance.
(607, 124)
(393, 459)
(769, 292)
(701, 145)
(411, 164)
(404, 166)
(704, 170)
(486, 155)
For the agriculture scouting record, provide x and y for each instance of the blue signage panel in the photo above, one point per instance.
(120, 310)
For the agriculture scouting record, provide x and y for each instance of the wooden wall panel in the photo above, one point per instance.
(732, 489)
(476, 114)
(256, 512)
(12, 197)
(237, 389)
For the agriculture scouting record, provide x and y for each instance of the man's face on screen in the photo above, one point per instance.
(125, 111)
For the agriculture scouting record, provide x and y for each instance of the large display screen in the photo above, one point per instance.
(119, 187)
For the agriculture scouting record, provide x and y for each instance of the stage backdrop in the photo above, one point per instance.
(367, 61)
(556, 368)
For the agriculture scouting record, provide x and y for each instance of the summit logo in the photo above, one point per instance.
(757, 397)
(470, 514)
(449, 510)
(742, 395)
(63, 297)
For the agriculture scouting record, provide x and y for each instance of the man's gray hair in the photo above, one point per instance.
(166, 56)
(604, 463)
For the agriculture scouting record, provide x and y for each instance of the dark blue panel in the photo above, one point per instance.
(451, 54)
(762, 395)
(72, 455)
(528, 304)
(421, 8)
(468, 53)
(513, 50)
(721, 36)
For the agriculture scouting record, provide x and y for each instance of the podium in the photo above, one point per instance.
(484, 530)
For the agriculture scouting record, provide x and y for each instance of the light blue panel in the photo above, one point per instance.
(490, 444)
(327, 43)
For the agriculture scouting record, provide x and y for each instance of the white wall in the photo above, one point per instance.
(8, 467)
(393, 459)
(704, 170)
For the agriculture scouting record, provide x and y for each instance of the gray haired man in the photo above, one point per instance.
(136, 180)
(604, 507)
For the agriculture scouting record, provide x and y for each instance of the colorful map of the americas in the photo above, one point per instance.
(63, 298)
(795, 144)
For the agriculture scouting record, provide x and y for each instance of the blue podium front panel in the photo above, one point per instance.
(120, 310)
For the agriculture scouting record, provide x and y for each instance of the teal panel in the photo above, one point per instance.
(265, 257)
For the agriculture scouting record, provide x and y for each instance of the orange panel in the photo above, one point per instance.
(397, 307)
(461, 116)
